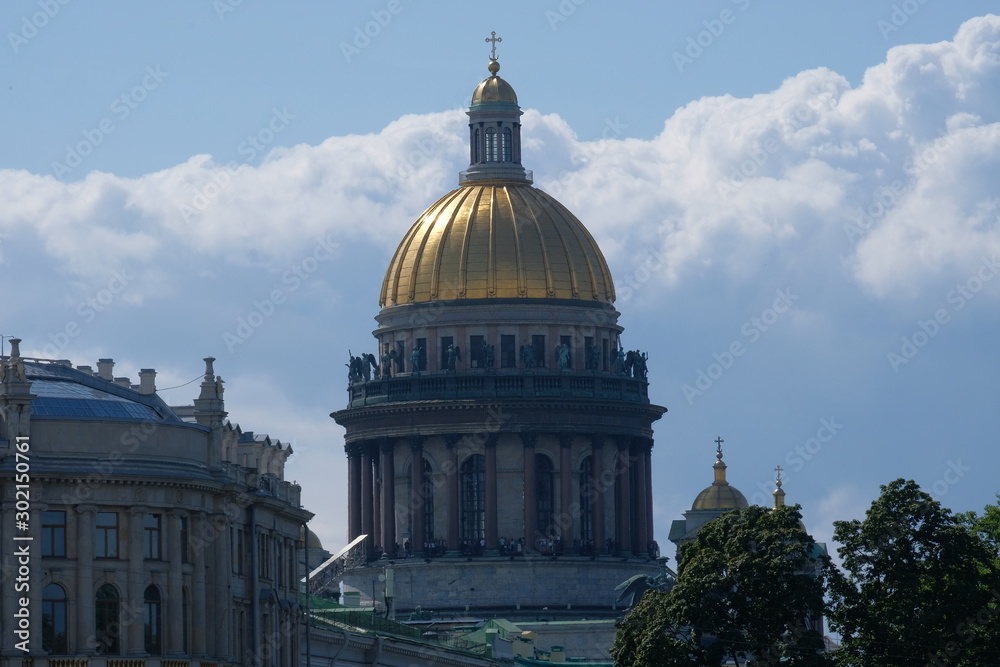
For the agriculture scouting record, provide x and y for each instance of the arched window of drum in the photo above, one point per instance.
(107, 609)
(472, 486)
(544, 494)
(587, 500)
(54, 621)
(427, 496)
(506, 145)
(491, 144)
(476, 149)
(152, 621)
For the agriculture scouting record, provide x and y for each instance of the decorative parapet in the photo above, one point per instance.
(478, 385)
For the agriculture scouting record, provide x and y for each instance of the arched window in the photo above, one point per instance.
(491, 144)
(428, 497)
(152, 621)
(505, 144)
(476, 150)
(544, 495)
(54, 620)
(107, 608)
(185, 619)
(587, 500)
(472, 486)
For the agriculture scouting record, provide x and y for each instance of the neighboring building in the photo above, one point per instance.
(153, 537)
(720, 497)
(502, 435)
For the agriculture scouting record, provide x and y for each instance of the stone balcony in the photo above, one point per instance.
(506, 384)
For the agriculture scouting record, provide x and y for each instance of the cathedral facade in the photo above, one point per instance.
(501, 421)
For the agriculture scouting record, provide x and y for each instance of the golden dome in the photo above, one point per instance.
(492, 90)
(496, 239)
(721, 495)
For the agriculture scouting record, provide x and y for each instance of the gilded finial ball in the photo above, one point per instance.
(494, 67)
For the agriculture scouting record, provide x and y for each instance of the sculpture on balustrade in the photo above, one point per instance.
(640, 365)
(368, 364)
(593, 357)
(528, 356)
(387, 363)
(621, 360)
(488, 355)
(562, 354)
(453, 354)
(415, 359)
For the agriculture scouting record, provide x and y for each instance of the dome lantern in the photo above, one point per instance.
(494, 129)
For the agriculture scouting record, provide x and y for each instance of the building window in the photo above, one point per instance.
(107, 608)
(477, 155)
(568, 342)
(544, 495)
(107, 535)
(538, 347)
(446, 342)
(491, 144)
(185, 532)
(152, 621)
(477, 356)
(262, 557)
(472, 483)
(151, 537)
(428, 497)
(506, 145)
(587, 501)
(508, 356)
(54, 534)
(238, 551)
(185, 619)
(422, 344)
(54, 622)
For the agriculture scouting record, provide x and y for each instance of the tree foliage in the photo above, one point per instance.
(918, 587)
(746, 588)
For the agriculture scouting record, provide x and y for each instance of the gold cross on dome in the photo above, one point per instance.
(494, 39)
(778, 470)
(718, 442)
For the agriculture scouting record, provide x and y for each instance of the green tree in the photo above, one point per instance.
(746, 588)
(918, 589)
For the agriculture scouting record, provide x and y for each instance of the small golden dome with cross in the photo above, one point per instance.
(721, 495)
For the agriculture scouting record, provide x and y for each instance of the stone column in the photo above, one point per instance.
(388, 469)
(530, 490)
(223, 579)
(600, 483)
(86, 622)
(417, 500)
(354, 502)
(623, 514)
(451, 442)
(648, 458)
(376, 497)
(133, 635)
(492, 539)
(198, 616)
(175, 586)
(568, 514)
(367, 516)
(640, 541)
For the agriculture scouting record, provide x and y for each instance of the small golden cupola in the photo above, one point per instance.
(721, 495)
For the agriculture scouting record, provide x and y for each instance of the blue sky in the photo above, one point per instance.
(810, 185)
